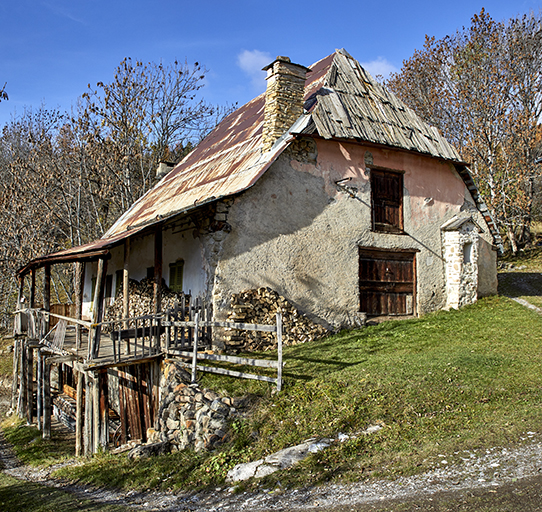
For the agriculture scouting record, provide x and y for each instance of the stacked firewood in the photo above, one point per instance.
(260, 306)
(141, 300)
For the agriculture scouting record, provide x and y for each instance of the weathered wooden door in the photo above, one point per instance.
(386, 282)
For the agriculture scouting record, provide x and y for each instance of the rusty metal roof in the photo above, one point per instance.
(342, 101)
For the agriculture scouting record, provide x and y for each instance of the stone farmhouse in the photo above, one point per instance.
(326, 189)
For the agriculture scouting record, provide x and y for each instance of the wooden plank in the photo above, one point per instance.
(39, 391)
(279, 351)
(231, 373)
(30, 385)
(95, 397)
(46, 295)
(78, 291)
(87, 427)
(263, 363)
(104, 408)
(231, 325)
(94, 335)
(122, 407)
(46, 400)
(15, 375)
(79, 415)
(195, 349)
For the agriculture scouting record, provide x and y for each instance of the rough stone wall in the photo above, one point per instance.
(190, 416)
(283, 99)
(461, 275)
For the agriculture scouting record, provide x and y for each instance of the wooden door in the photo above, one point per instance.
(386, 282)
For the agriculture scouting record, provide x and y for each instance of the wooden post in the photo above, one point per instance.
(95, 412)
(104, 408)
(87, 430)
(14, 383)
(46, 399)
(46, 296)
(79, 418)
(30, 384)
(21, 402)
(97, 311)
(17, 323)
(279, 350)
(78, 289)
(195, 351)
(32, 301)
(157, 283)
(39, 392)
(126, 290)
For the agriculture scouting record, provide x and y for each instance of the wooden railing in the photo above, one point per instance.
(150, 335)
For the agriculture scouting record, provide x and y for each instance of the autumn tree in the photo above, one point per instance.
(3, 93)
(482, 87)
(64, 179)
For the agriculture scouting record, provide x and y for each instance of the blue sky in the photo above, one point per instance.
(50, 50)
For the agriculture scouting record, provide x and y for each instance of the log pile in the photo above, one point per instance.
(260, 306)
(141, 300)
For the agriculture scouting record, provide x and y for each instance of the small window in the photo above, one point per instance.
(150, 272)
(387, 201)
(467, 253)
(176, 276)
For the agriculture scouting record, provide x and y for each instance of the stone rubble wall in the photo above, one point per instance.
(190, 416)
(461, 276)
(260, 306)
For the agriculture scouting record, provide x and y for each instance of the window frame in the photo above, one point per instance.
(176, 287)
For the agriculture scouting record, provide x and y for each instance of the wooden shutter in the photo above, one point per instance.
(386, 282)
(387, 200)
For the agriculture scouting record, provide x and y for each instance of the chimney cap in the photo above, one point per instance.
(283, 58)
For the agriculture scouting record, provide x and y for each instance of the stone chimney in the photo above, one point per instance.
(283, 98)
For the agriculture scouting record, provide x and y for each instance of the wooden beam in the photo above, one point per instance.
(126, 289)
(30, 385)
(126, 283)
(46, 399)
(46, 294)
(39, 391)
(157, 280)
(32, 301)
(97, 311)
(79, 415)
(95, 412)
(17, 323)
(87, 427)
(104, 408)
(78, 289)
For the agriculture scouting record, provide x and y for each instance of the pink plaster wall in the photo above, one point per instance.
(424, 177)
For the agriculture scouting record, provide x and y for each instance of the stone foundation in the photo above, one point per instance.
(190, 416)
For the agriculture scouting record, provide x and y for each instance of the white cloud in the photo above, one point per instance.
(252, 62)
(380, 66)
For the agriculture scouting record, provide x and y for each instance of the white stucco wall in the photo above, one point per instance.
(176, 245)
(295, 232)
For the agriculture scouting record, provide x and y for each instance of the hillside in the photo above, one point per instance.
(444, 384)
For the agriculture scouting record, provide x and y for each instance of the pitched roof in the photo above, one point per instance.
(342, 101)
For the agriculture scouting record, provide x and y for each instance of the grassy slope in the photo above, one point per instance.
(444, 383)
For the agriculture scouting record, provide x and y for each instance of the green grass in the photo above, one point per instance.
(31, 448)
(441, 384)
(17, 495)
